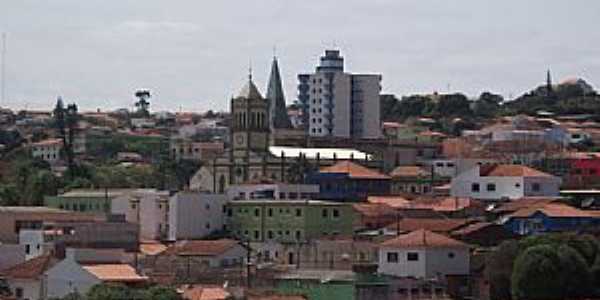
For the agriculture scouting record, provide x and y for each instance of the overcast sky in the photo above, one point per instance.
(193, 55)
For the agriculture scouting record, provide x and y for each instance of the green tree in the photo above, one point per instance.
(488, 105)
(537, 274)
(577, 279)
(142, 104)
(110, 292)
(71, 121)
(160, 293)
(499, 269)
(59, 121)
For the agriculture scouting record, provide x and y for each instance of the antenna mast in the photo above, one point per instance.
(3, 71)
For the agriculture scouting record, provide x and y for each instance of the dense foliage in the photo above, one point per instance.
(552, 266)
(120, 292)
(564, 99)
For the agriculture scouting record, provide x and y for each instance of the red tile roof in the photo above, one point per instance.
(114, 272)
(556, 210)
(510, 171)
(204, 293)
(374, 209)
(201, 247)
(30, 269)
(435, 225)
(354, 170)
(527, 202)
(423, 239)
(410, 171)
(473, 228)
(48, 142)
(392, 201)
(439, 204)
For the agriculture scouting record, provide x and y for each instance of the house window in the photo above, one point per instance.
(19, 292)
(491, 187)
(133, 206)
(256, 234)
(324, 213)
(336, 213)
(207, 226)
(535, 187)
(256, 212)
(229, 212)
(475, 187)
(451, 255)
(298, 212)
(270, 234)
(412, 256)
(270, 212)
(298, 235)
(392, 257)
(27, 249)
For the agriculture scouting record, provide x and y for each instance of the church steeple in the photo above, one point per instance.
(277, 109)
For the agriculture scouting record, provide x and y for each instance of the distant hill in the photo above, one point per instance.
(572, 96)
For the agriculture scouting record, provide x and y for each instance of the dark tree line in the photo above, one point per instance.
(545, 267)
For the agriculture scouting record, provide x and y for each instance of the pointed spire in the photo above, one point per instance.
(278, 112)
(549, 88)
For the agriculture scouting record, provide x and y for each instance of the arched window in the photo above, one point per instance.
(222, 184)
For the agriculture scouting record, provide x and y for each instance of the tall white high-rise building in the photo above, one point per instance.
(340, 104)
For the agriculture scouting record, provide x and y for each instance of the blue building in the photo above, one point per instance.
(554, 217)
(348, 181)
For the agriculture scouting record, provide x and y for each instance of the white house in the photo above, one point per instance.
(497, 182)
(194, 215)
(35, 241)
(423, 254)
(147, 207)
(72, 275)
(25, 280)
(48, 150)
(453, 167)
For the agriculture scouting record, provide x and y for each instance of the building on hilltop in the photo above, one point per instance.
(250, 156)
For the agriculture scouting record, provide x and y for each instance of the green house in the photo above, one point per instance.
(84, 200)
(288, 221)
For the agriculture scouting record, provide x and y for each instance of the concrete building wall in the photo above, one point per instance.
(30, 289)
(403, 267)
(505, 187)
(33, 241)
(366, 97)
(195, 215)
(11, 255)
(446, 261)
(148, 209)
(12, 221)
(67, 277)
